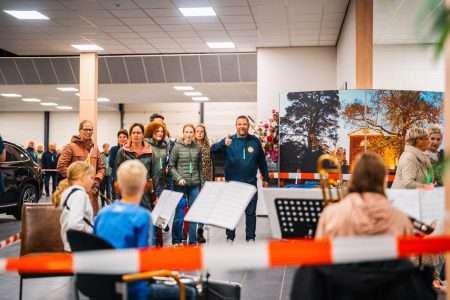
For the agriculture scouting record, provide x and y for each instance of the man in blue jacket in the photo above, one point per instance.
(244, 155)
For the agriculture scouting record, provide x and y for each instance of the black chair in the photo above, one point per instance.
(94, 286)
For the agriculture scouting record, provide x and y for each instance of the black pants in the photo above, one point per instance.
(54, 177)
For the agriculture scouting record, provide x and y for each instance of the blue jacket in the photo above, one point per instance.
(243, 158)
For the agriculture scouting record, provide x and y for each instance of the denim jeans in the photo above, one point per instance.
(106, 187)
(54, 177)
(191, 192)
(250, 221)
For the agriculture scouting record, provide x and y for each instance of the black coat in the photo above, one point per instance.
(384, 280)
(49, 160)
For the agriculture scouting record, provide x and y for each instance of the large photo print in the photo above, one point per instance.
(347, 122)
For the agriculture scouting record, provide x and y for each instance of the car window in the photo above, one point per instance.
(15, 154)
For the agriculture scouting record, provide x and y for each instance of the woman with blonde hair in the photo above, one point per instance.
(72, 197)
(365, 210)
(206, 173)
(414, 165)
(185, 165)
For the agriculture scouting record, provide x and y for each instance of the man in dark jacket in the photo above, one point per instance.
(49, 162)
(31, 151)
(244, 155)
(122, 139)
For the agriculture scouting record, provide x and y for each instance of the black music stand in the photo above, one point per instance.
(298, 218)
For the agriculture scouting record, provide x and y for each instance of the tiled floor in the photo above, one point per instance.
(256, 285)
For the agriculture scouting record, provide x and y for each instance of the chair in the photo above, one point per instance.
(103, 287)
(40, 234)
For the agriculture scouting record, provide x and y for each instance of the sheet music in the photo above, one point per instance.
(432, 205)
(221, 203)
(406, 200)
(165, 208)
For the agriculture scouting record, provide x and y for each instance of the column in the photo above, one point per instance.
(89, 89)
(364, 43)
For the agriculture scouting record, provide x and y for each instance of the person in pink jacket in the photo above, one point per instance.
(365, 210)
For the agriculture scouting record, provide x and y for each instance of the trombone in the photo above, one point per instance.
(329, 164)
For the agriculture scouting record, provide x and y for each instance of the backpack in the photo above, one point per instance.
(66, 206)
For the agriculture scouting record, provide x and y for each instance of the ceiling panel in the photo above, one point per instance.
(117, 23)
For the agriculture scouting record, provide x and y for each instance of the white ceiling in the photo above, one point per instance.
(124, 93)
(156, 26)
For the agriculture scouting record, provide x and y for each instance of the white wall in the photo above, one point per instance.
(407, 67)
(346, 51)
(20, 127)
(220, 117)
(281, 70)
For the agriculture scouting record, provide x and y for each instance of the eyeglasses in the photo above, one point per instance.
(88, 129)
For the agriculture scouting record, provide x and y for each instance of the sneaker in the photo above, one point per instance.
(200, 238)
(251, 241)
(230, 241)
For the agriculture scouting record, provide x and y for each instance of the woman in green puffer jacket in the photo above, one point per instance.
(185, 166)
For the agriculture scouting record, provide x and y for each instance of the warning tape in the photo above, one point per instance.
(10, 241)
(264, 254)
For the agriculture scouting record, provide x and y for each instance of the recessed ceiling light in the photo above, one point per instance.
(67, 89)
(64, 107)
(87, 47)
(200, 98)
(77, 94)
(183, 88)
(10, 95)
(26, 14)
(221, 45)
(192, 94)
(49, 104)
(31, 100)
(197, 11)
(103, 99)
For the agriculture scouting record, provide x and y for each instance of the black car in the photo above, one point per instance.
(21, 179)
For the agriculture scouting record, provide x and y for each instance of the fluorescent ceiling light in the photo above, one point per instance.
(200, 98)
(77, 94)
(26, 14)
(31, 100)
(64, 107)
(197, 11)
(49, 104)
(183, 88)
(103, 99)
(192, 94)
(221, 45)
(10, 95)
(67, 89)
(87, 47)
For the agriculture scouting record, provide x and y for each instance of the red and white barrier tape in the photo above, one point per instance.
(264, 254)
(10, 241)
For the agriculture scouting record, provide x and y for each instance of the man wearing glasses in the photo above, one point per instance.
(82, 147)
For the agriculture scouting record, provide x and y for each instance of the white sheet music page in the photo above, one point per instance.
(221, 203)
(406, 200)
(432, 205)
(165, 208)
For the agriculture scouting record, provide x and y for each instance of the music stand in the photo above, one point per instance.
(293, 213)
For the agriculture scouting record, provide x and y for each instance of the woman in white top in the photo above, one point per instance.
(72, 197)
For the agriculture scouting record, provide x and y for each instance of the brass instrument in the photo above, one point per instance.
(329, 164)
(325, 165)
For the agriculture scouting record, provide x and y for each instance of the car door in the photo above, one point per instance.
(12, 172)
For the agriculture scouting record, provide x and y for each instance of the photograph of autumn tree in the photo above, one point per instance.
(348, 122)
(308, 124)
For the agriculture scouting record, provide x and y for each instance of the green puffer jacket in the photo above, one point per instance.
(126, 153)
(159, 163)
(185, 163)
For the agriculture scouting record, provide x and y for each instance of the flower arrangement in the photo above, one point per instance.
(268, 134)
